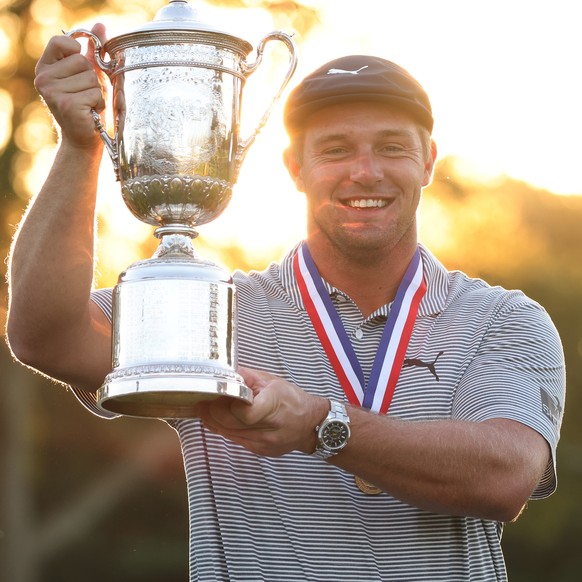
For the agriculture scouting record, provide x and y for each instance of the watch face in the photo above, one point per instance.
(335, 434)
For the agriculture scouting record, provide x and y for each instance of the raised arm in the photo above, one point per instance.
(52, 324)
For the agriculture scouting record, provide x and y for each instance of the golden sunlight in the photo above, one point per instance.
(5, 118)
(503, 79)
(492, 83)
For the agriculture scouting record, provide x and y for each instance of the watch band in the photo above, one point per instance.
(333, 433)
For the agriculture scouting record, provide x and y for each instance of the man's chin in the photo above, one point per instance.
(362, 245)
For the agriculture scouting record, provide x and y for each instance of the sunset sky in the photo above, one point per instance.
(504, 77)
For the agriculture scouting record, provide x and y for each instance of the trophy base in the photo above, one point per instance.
(165, 397)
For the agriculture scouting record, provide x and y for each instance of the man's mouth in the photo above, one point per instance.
(367, 203)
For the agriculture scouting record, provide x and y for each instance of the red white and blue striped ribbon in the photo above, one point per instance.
(377, 395)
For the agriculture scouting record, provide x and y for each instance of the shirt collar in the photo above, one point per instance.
(432, 303)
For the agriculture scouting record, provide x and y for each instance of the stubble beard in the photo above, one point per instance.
(366, 247)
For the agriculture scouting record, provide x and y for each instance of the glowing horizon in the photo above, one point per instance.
(502, 79)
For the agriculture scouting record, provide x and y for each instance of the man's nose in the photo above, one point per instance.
(366, 169)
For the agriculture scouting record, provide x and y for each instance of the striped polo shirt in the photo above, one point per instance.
(477, 352)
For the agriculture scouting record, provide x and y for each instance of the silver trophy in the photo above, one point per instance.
(177, 150)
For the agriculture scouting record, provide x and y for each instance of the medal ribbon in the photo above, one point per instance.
(377, 396)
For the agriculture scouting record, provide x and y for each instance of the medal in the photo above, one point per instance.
(377, 394)
(367, 488)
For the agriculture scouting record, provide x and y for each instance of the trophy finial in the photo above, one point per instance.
(176, 10)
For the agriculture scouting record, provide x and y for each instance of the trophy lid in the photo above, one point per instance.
(177, 20)
(177, 15)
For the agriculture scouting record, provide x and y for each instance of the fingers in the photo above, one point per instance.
(62, 61)
(280, 419)
(58, 48)
(228, 414)
(70, 85)
(261, 439)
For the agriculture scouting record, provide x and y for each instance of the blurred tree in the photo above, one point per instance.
(513, 235)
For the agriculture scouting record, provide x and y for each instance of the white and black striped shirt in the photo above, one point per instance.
(298, 518)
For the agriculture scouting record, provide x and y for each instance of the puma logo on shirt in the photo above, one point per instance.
(417, 362)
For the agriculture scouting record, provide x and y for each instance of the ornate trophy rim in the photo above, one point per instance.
(178, 22)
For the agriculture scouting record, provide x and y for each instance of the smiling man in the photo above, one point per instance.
(362, 166)
(401, 412)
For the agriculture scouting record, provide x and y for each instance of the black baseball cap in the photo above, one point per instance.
(357, 78)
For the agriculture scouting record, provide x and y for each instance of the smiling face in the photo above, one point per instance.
(362, 167)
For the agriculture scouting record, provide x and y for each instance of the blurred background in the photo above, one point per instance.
(87, 499)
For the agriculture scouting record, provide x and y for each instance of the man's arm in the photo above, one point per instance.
(52, 324)
(481, 469)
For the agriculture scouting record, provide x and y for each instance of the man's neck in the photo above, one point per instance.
(370, 283)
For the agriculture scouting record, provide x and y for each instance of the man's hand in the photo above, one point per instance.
(281, 419)
(72, 84)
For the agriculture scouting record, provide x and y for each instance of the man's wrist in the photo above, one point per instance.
(90, 149)
(333, 432)
(319, 411)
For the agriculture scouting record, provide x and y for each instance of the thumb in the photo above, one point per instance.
(99, 31)
(258, 413)
(254, 379)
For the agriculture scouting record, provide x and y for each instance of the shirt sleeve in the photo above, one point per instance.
(103, 299)
(518, 373)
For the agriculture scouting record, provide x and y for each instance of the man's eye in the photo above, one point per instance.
(335, 151)
(392, 148)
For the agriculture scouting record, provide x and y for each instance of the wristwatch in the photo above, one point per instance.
(333, 433)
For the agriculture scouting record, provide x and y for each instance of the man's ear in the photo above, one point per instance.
(429, 164)
(293, 167)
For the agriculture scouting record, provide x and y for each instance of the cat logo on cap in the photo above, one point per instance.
(344, 72)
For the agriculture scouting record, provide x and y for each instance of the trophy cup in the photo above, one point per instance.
(177, 150)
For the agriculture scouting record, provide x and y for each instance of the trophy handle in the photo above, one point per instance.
(110, 143)
(251, 68)
(98, 47)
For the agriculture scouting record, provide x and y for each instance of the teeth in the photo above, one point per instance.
(367, 203)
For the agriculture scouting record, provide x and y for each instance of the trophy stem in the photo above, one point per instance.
(175, 240)
(182, 229)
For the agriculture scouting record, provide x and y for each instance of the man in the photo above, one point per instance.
(401, 413)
